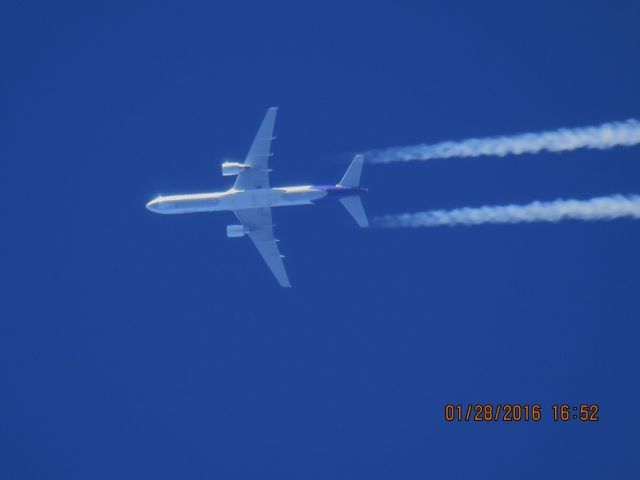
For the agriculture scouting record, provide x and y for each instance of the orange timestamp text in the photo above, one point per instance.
(516, 412)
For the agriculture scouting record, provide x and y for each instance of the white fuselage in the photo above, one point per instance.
(236, 199)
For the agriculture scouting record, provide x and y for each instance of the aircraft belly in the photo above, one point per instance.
(248, 199)
(244, 200)
(284, 198)
(193, 205)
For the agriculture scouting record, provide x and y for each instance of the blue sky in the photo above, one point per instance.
(134, 345)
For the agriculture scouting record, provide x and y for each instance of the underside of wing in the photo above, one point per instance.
(258, 222)
(257, 175)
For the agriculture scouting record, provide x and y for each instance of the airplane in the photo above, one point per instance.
(251, 198)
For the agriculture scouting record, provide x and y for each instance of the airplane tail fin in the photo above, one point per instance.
(352, 176)
(351, 179)
(356, 210)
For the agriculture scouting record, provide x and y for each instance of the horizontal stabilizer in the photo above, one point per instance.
(352, 176)
(355, 209)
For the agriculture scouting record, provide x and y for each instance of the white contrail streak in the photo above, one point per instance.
(605, 136)
(601, 208)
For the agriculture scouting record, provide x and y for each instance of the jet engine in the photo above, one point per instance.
(236, 231)
(233, 168)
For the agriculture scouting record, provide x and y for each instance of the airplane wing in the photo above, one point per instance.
(258, 222)
(258, 157)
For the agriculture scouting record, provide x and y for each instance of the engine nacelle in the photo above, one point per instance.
(236, 231)
(233, 168)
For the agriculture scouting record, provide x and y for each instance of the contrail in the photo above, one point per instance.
(605, 136)
(600, 208)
